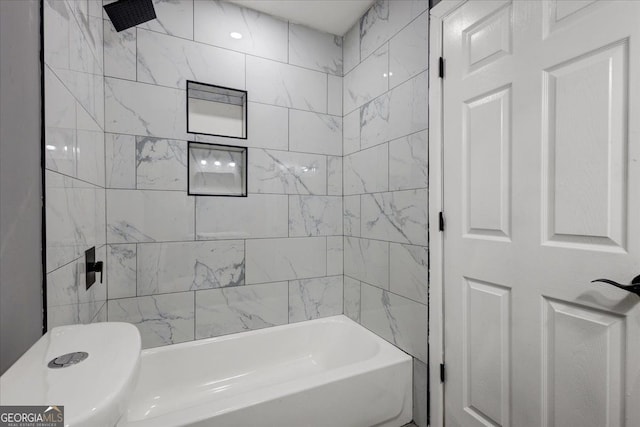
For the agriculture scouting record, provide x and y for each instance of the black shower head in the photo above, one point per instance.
(129, 13)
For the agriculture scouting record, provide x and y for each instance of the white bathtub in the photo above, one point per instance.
(328, 372)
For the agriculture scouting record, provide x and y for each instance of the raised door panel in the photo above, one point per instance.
(585, 150)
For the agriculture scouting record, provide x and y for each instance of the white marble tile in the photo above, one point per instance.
(173, 17)
(287, 172)
(161, 164)
(399, 216)
(315, 216)
(88, 90)
(161, 319)
(121, 270)
(335, 255)
(399, 320)
(189, 266)
(275, 83)
(67, 284)
(101, 315)
(262, 35)
(351, 132)
(95, 8)
(400, 112)
(409, 51)
(57, 20)
(408, 165)
(171, 61)
(142, 109)
(85, 45)
(60, 105)
(314, 49)
(271, 260)
(75, 218)
(409, 269)
(367, 171)
(351, 48)
(386, 18)
(352, 216)
(334, 175)
(367, 260)
(315, 298)
(311, 132)
(120, 153)
(90, 156)
(60, 150)
(367, 81)
(352, 298)
(420, 396)
(254, 216)
(334, 95)
(73, 314)
(268, 126)
(148, 216)
(119, 52)
(244, 308)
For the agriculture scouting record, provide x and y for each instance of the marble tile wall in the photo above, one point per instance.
(336, 216)
(188, 267)
(74, 158)
(385, 92)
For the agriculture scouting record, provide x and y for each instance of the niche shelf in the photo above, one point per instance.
(217, 170)
(216, 110)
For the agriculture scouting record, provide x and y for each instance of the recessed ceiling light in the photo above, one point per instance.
(232, 164)
(203, 162)
(217, 163)
(235, 35)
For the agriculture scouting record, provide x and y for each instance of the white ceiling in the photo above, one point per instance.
(331, 16)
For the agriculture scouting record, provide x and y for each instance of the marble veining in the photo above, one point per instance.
(367, 260)
(189, 266)
(170, 61)
(396, 319)
(121, 270)
(315, 298)
(231, 310)
(408, 167)
(119, 52)
(352, 298)
(161, 319)
(399, 112)
(173, 17)
(314, 49)
(315, 133)
(399, 216)
(287, 172)
(161, 164)
(120, 153)
(271, 260)
(132, 216)
(315, 216)
(351, 216)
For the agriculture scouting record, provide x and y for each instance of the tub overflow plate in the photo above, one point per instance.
(68, 359)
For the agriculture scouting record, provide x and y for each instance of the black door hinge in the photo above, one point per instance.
(442, 372)
(441, 221)
(441, 67)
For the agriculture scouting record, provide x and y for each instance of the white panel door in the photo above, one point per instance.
(541, 195)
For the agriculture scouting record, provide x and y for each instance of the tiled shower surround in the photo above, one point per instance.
(336, 215)
(385, 179)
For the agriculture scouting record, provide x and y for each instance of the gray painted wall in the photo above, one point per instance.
(20, 180)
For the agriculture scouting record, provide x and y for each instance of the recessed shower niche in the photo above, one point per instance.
(217, 170)
(216, 110)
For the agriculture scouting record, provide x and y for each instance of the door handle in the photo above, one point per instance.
(634, 287)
